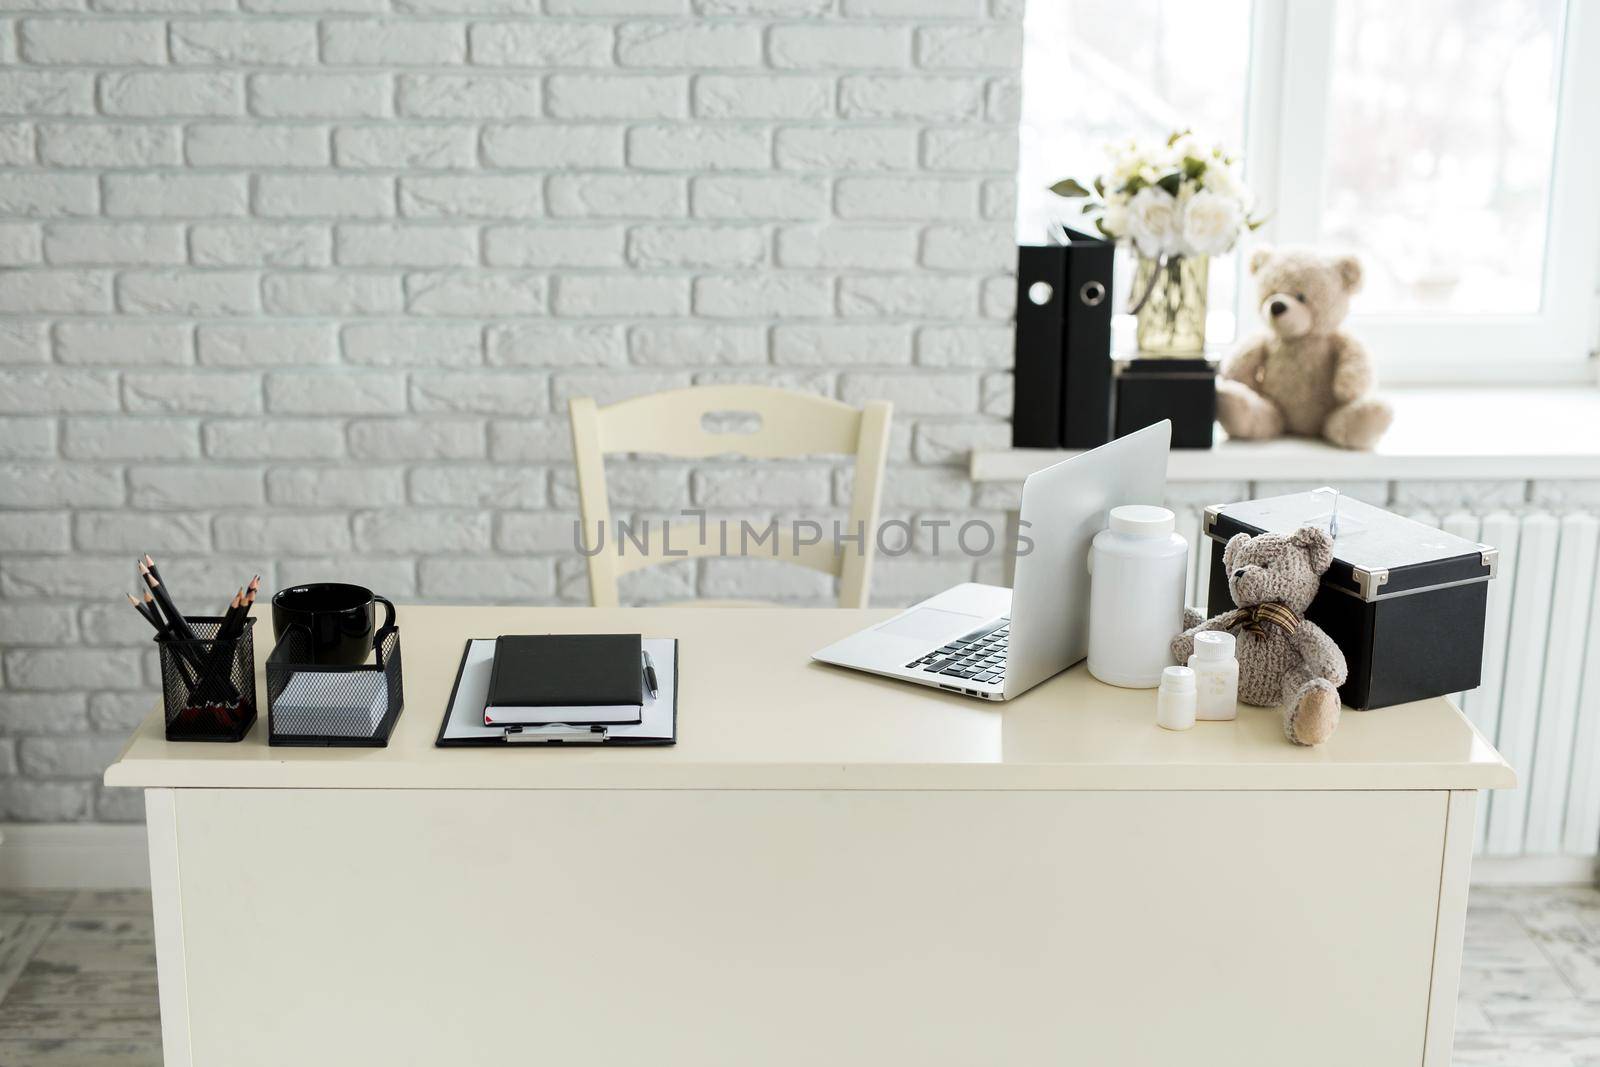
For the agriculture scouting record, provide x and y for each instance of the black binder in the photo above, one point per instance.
(1063, 343)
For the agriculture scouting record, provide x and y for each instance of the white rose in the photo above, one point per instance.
(1211, 223)
(1224, 181)
(1153, 221)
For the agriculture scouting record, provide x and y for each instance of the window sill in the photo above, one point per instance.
(1446, 434)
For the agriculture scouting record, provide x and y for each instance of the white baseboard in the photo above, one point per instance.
(105, 856)
(73, 856)
(1535, 870)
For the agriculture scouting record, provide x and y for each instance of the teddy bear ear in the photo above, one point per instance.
(1231, 550)
(1349, 268)
(1258, 259)
(1318, 545)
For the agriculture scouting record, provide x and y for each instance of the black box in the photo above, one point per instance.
(1404, 602)
(1183, 390)
(1062, 384)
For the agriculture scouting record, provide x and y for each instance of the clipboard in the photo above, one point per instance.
(463, 713)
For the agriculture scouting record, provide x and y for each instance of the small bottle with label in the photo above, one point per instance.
(1175, 699)
(1216, 675)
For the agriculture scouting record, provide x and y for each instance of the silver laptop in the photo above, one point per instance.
(994, 643)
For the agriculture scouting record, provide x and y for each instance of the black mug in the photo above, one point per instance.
(337, 617)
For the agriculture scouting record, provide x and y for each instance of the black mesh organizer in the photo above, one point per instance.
(335, 705)
(208, 686)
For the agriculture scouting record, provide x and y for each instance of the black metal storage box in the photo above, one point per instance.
(1183, 390)
(1404, 602)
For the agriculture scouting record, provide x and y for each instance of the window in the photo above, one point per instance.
(1442, 175)
(1451, 144)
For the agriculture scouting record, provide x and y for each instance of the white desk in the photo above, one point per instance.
(827, 868)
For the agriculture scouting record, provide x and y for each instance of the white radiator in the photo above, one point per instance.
(1539, 700)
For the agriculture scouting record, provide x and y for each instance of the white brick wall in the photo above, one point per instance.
(302, 286)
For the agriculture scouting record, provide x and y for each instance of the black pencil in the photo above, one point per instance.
(182, 653)
(152, 614)
(247, 597)
(245, 605)
(175, 619)
(150, 584)
(147, 569)
(225, 628)
(206, 668)
(164, 630)
(179, 635)
(142, 610)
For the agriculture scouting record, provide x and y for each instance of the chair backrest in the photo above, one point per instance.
(673, 424)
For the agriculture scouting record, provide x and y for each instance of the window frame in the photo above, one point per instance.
(1286, 147)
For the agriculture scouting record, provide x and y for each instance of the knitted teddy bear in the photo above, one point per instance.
(1307, 376)
(1284, 658)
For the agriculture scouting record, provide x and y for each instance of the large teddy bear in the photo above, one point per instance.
(1306, 377)
(1284, 658)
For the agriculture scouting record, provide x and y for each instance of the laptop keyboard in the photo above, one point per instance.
(979, 656)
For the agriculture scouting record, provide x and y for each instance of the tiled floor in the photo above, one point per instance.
(78, 983)
(78, 980)
(1530, 983)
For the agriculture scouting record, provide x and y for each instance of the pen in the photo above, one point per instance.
(650, 674)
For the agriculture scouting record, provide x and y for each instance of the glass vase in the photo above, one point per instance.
(1172, 317)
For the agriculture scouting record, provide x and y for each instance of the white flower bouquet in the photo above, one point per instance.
(1181, 198)
(1179, 203)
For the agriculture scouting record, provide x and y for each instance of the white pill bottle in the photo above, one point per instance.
(1135, 596)
(1216, 675)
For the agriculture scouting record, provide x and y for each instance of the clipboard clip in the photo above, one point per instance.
(556, 734)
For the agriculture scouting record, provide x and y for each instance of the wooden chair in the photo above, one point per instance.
(672, 424)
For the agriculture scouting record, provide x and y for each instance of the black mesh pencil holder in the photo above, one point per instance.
(316, 704)
(209, 685)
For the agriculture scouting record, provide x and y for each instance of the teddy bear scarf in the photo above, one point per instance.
(1257, 618)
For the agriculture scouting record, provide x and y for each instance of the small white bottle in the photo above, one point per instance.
(1175, 700)
(1216, 675)
(1135, 596)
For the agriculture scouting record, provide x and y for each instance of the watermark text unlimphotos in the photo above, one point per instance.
(893, 537)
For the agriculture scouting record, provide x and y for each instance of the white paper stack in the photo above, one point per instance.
(311, 705)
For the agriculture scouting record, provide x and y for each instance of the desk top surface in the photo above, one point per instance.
(755, 712)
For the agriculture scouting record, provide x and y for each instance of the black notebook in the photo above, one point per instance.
(566, 678)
